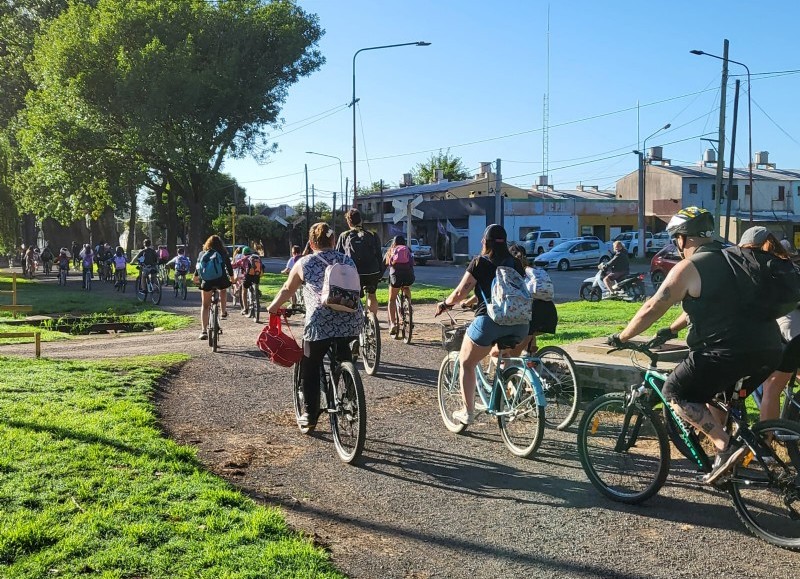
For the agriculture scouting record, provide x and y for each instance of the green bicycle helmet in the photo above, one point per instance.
(246, 250)
(691, 222)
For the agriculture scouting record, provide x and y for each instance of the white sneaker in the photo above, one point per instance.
(463, 417)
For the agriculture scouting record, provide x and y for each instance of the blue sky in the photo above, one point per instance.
(484, 76)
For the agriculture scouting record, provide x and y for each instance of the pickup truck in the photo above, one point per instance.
(422, 253)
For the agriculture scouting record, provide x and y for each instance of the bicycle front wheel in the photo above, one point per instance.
(623, 449)
(299, 399)
(255, 307)
(371, 344)
(406, 315)
(349, 421)
(560, 384)
(767, 496)
(214, 335)
(449, 392)
(521, 419)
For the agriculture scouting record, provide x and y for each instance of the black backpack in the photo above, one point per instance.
(769, 286)
(363, 248)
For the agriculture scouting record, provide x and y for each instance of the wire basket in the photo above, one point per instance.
(452, 336)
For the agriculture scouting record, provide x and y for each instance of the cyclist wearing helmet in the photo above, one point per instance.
(725, 344)
(246, 273)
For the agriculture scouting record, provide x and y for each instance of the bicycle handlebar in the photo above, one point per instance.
(643, 348)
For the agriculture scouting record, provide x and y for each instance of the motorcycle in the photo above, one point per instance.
(631, 288)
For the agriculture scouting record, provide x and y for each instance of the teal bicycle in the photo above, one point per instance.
(514, 395)
(623, 446)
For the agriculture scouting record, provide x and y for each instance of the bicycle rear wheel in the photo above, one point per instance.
(448, 392)
(560, 384)
(255, 307)
(767, 497)
(298, 398)
(349, 421)
(623, 449)
(155, 291)
(521, 420)
(371, 344)
(406, 316)
(215, 334)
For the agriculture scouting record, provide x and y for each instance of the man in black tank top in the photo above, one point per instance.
(725, 344)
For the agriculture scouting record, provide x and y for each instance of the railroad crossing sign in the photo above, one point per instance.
(403, 208)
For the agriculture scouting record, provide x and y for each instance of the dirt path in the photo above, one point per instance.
(423, 502)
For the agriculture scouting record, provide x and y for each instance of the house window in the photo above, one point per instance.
(747, 190)
(798, 190)
(781, 193)
(734, 192)
(713, 191)
(693, 188)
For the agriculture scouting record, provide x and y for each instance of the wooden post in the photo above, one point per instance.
(38, 339)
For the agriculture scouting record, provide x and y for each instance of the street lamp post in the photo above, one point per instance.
(749, 124)
(333, 214)
(642, 187)
(353, 102)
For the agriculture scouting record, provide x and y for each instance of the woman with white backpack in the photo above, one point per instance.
(487, 328)
(333, 312)
(544, 317)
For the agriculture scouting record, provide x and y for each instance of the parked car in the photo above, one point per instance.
(660, 241)
(422, 253)
(630, 239)
(662, 262)
(538, 241)
(574, 253)
(606, 244)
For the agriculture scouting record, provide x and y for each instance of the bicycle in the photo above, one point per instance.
(368, 345)
(62, 276)
(108, 272)
(253, 305)
(179, 286)
(120, 279)
(47, 267)
(514, 396)
(790, 405)
(163, 274)
(341, 397)
(214, 329)
(87, 278)
(405, 317)
(147, 284)
(623, 447)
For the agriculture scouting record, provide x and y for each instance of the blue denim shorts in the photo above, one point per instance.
(485, 332)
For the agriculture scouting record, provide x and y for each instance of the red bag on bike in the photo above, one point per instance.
(278, 346)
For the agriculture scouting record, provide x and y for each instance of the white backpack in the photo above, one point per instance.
(341, 286)
(510, 302)
(539, 284)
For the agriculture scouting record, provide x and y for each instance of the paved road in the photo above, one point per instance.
(567, 283)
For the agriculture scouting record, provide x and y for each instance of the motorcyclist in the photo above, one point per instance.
(617, 267)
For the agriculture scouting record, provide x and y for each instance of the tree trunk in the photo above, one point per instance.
(197, 216)
(129, 246)
(172, 220)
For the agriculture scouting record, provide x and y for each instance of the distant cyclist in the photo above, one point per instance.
(62, 261)
(47, 258)
(248, 269)
(296, 253)
(120, 261)
(364, 248)
(180, 263)
(146, 259)
(76, 250)
(400, 262)
(213, 271)
(87, 259)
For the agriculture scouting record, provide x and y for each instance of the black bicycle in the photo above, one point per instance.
(62, 276)
(253, 305)
(623, 446)
(368, 345)
(148, 284)
(342, 398)
(214, 329)
(179, 287)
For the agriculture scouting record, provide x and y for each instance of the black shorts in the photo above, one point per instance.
(369, 282)
(401, 278)
(249, 280)
(705, 373)
(220, 283)
(544, 319)
(791, 356)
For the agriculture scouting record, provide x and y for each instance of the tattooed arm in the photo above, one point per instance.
(682, 279)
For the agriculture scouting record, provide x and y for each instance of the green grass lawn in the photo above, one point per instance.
(90, 487)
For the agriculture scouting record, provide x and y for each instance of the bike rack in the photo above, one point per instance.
(14, 307)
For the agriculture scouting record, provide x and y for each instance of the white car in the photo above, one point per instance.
(574, 253)
(630, 239)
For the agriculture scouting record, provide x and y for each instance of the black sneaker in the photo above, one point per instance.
(725, 461)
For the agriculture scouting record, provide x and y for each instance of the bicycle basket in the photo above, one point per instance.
(452, 336)
(279, 347)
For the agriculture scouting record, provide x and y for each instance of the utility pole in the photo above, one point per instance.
(313, 203)
(308, 215)
(380, 224)
(498, 195)
(333, 214)
(721, 144)
(730, 168)
(346, 197)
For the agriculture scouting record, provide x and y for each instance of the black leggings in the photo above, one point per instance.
(311, 365)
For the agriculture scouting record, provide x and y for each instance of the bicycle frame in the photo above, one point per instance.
(496, 392)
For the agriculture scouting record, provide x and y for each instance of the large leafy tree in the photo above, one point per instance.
(173, 86)
(452, 167)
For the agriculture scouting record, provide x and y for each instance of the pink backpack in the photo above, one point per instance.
(401, 255)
